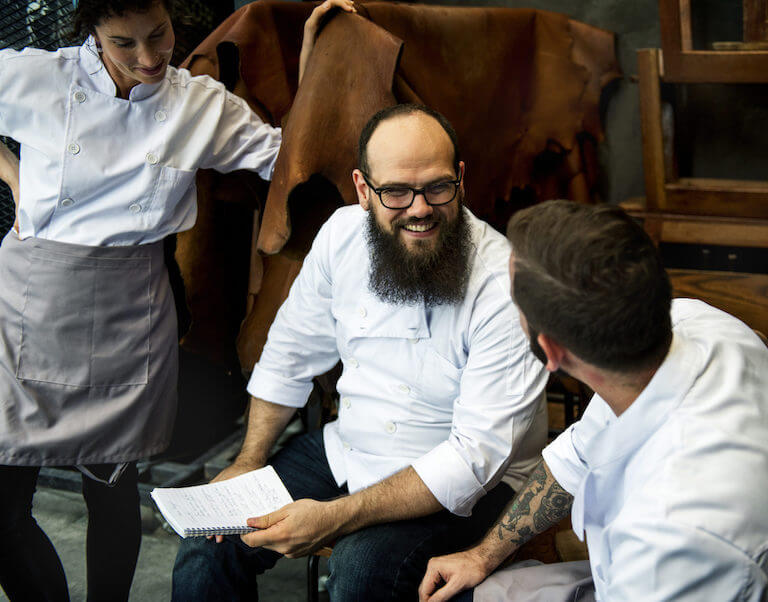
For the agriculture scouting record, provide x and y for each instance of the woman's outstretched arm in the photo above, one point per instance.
(312, 26)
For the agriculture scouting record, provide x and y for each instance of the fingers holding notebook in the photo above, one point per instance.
(294, 530)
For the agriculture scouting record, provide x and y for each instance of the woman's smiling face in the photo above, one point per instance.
(136, 47)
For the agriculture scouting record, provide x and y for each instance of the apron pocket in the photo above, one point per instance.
(86, 320)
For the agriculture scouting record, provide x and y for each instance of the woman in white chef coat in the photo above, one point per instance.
(111, 138)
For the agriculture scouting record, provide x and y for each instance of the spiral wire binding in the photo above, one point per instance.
(229, 530)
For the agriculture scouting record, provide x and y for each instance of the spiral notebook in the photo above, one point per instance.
(222, 508)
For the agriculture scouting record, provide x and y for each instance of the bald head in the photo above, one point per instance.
(410, 149)
(397, 113)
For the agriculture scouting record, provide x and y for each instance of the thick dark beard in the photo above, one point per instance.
(402, 277)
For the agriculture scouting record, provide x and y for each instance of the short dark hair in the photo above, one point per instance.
(592, 279)
(396, 111)
(89, 13)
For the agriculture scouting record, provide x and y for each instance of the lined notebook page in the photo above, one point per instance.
(222, 508)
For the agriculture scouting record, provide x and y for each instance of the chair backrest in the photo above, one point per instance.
(740, 294)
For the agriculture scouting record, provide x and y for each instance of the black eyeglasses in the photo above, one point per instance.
(402, 197)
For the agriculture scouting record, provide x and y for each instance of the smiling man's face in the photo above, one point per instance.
(419, 253)
(412, 150)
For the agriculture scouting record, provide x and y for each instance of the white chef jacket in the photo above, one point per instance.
(451, 390)
(672, 494)
(100, 170)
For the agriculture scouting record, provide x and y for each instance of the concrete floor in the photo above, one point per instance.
(62, 515)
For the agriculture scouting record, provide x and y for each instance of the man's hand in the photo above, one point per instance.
(296, 529)
(448, 575)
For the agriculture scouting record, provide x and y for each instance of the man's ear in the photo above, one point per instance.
(554, 351)
(361, 188)
(462, 173)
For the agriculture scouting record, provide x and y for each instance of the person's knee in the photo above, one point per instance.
(353, 573)
(196, 572)
(374, 565)
(205, 570)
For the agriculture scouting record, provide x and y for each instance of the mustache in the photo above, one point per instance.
(406, 221)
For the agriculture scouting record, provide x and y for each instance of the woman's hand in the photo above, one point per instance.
(312, 26)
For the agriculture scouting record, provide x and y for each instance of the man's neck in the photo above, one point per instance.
(618, 389)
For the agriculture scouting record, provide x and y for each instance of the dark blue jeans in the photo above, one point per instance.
(382, 562)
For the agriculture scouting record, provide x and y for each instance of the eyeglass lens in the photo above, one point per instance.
(436, 194)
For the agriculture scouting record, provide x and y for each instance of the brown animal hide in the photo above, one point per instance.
(522, 88)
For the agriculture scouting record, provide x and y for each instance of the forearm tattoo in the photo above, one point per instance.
(532, 513)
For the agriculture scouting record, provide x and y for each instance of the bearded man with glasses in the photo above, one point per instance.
(441, 411)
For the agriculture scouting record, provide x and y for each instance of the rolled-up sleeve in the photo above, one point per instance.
(499, 395)
(242, 140)
(301, 342)
(564, 455)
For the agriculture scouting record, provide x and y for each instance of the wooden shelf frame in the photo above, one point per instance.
(689, 196)
(683, 64)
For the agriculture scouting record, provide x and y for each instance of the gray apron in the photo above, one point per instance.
(88, 353)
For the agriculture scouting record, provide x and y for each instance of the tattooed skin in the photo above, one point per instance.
(531, 512)
(521, 506)
(555, 505)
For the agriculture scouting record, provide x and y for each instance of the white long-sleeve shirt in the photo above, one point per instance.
(101, 170)
(453, 391)
(672, 494)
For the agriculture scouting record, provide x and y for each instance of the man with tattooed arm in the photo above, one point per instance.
(667, 470)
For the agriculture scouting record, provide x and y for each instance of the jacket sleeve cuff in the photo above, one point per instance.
(450, 480)
(278, 389)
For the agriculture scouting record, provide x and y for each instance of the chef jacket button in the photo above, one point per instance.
(134, 208)
(161, 115)
(67, 202)
(79, 96)
(362, 312)
(152, 158)
(346, 446)
(404, 388)
(390, 427)
(73, 148)
(353, 362)
(346, 402)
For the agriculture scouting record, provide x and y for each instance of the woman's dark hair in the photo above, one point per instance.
(89, 13)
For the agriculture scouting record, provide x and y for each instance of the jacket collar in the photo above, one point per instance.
(664, 393)
(610, 449)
